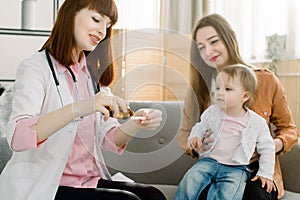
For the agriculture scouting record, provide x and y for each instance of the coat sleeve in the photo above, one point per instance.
(271, 103)
(282, 118)
(29, 92)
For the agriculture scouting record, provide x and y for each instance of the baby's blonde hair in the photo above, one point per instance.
(247, 78)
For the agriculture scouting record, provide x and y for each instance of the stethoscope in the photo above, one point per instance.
(95, 86)
(56, 80)
(53, 72)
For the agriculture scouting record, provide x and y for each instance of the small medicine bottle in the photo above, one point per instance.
(121, 114)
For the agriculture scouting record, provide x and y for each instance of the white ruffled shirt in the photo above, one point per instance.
(255, 135)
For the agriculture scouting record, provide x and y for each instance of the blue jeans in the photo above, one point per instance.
(227, 182)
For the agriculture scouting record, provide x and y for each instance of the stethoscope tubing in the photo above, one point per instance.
(56, 79)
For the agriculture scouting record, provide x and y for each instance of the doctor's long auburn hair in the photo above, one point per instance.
(61, 40)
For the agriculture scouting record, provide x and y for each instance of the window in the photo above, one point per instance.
(259, 19)
(138, 14)
(146, 62)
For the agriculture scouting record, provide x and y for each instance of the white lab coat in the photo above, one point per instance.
(35, 174)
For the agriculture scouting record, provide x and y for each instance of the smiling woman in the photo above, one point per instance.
(59, 120)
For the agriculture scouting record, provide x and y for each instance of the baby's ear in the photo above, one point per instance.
(246, 97)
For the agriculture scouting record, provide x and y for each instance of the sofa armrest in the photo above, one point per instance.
(290, 166)
(5, 152)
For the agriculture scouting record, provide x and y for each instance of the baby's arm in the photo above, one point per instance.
(195, 140)
(266, 149)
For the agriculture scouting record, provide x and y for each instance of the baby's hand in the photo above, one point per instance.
(195, 143)
(266, 183)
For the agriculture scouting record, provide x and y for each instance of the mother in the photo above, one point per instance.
(216, 46)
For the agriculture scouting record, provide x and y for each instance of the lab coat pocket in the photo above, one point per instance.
(24, 170)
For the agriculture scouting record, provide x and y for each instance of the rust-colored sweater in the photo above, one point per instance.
(270, 102)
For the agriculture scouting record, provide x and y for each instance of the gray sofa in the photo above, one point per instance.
(155, 158)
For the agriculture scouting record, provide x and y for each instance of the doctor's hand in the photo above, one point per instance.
(151, 118)
(98, 103)
(104, 99)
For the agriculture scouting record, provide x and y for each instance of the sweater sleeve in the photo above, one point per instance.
(110, 144)
(266, 149)
(201, 127)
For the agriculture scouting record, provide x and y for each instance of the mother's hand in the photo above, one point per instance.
(206, 142)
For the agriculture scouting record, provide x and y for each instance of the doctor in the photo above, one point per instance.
(58, 124)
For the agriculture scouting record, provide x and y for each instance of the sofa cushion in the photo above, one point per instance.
(290, 195)
(290, 166)
(168, 190)
(5, 107)
(154, 157)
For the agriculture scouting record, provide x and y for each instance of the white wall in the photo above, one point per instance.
(10, 14)
(14, 48)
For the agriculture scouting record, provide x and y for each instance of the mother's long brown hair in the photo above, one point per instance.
(201, 74)
(61, 41)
